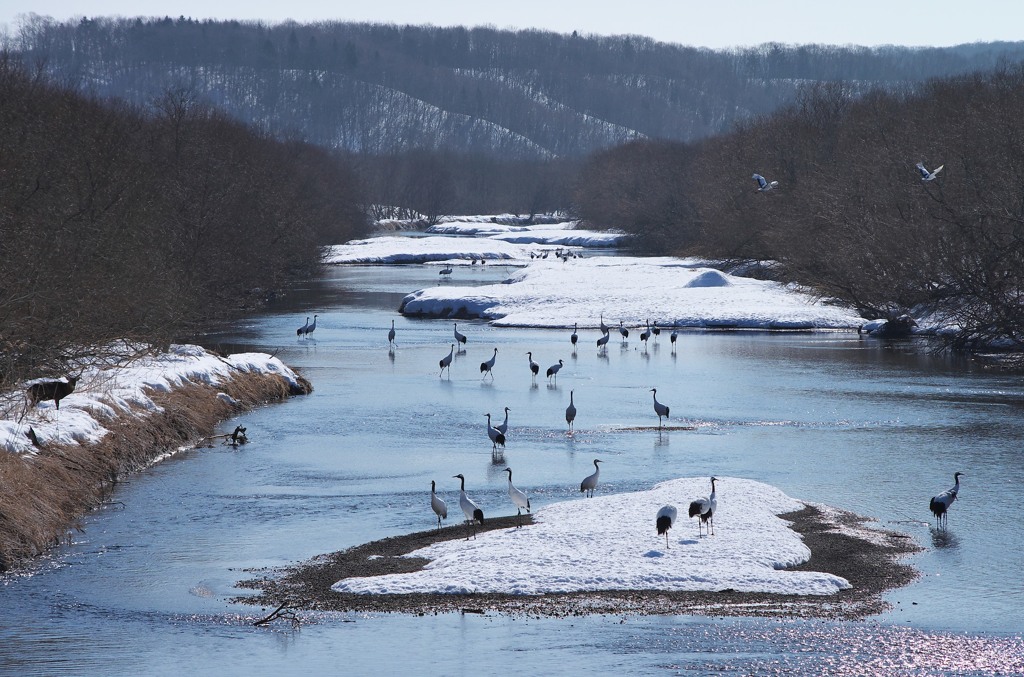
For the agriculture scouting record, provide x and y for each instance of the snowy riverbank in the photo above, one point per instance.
(549, 290)
(57, 464)
(105, 393)
(666, 290)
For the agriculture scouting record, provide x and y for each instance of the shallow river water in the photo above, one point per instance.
(829, 418)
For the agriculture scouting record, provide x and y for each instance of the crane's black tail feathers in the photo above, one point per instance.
(695, 507)
(478, 515)
(664, 524)
(937, 507)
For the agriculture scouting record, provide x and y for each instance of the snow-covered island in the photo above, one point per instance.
(461, 240)
(609, 543)
(666, 290)
(581, 286)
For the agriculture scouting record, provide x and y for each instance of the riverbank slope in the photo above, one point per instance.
(57, 462)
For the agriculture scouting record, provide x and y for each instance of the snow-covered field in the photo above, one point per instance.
(473, 238)
(123, 391)
(634, 290)
(579, 288)
(394, 249)
(610, 543)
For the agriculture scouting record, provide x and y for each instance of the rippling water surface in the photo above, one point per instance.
(826, 417)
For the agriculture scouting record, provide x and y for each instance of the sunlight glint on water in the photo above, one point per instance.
(825, 417)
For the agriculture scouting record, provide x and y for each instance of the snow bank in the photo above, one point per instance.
(610, 543)
(564, 234)
(398, 249)
(552, 293)
(103, 392)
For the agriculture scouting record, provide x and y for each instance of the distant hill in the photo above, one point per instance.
(532, 95)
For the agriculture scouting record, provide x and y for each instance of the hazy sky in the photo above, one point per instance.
(709, 23)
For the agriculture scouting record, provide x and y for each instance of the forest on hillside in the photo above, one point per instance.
(142, 226)
(852, 216)
(625, 132)
(500, 119)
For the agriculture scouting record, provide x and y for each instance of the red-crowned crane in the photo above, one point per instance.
(438, 505)
(570, 412)
(470, 509)
(763, 184)
(310, 328)
(574, 337)
(925, 174)
(604, 327)
(534, 367)
(646, 334)
(704, 509)
(659, 408)
(459, 336)
(302, 330)
(496, 436)
(623, 331)
(939, 505)
(602, 342)
(519, 499)
(553, 371)
(391, 335)
(672, 338)
(446, 362)
(589, 483)
(664, 520)
(503, 428)
(656, 330)
(485, 367)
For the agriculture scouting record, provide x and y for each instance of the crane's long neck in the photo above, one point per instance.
(462, 485)
(570, 397)
(509, 471)
(432, 487)
(712, 490)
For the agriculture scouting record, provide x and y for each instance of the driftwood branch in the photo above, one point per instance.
(280, 612)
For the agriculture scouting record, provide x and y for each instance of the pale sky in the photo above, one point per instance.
(708, 23)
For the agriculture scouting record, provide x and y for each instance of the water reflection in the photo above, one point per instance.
(944, 539)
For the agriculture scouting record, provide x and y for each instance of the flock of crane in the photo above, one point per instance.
(764, 185)
(702, 508)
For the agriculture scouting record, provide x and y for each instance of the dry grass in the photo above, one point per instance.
(43, 497)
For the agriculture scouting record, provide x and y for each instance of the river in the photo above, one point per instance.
(877, 429)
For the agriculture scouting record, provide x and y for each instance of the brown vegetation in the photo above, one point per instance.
(146, 225)
(851, 215)
(42, 496)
